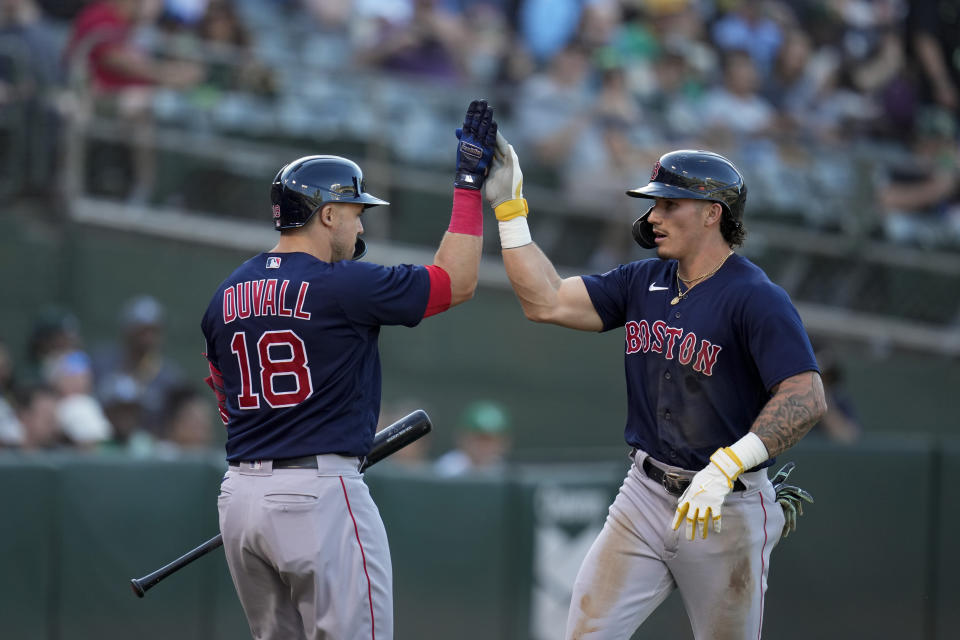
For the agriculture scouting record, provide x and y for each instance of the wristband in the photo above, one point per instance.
(467, 214)
(511, 209)
(749, 450)
(745, 453)
(514, 233)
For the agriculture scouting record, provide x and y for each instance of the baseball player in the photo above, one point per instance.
(291, 341)
(721, 378)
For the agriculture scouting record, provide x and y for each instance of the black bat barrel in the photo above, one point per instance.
(398, 435)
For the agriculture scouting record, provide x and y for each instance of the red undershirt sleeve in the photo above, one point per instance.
(440, 293)
(215, 380)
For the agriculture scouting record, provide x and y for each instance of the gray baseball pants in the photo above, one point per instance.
(307, 551)
(637, 560)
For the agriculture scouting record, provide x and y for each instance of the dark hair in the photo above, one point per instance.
(732, 230)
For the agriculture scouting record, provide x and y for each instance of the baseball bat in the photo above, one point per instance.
(387, 441)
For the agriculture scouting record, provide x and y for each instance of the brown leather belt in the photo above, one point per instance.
(674, 483)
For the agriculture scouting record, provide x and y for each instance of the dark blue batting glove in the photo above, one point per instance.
(478, 139)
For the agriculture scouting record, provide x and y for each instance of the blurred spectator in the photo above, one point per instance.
(620, 165)
(31, 93)
(615, 100)
(55, 333)
(680, 27)
(35, 405)
(792, 88)
(329, 32)
(79, 414)
(934, 37)
(552, 107)
(841, 422)
(547, 27)
(610, 153)
(102, 43)
(120, 396)
(482, 441)
(11, 431)
(746, 26)
(106, 59)
(494, 52)
(189, 427)
(432, 44)
(840, 114)
(599, 26)
(874, 59)
(56, 353)
(30, 55)
(919, 193)
(233, 65)
(607, 131)
(139, 358)
(735, 113)
(672, 109)
(183, 12)
(634, 47)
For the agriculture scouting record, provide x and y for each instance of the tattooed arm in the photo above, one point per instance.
(797, 404)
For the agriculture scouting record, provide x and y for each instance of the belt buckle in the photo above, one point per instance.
(674, 482)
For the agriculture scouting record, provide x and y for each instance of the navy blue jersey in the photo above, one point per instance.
(295, 340)
(699, 372)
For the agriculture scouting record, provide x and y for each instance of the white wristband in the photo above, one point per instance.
(514, 233)
(751, 450)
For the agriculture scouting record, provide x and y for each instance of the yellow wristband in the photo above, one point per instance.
(511, 209)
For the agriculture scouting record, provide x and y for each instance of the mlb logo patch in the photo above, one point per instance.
(273, 262)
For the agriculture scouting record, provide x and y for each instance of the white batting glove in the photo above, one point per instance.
(701, 503)
(503, 188)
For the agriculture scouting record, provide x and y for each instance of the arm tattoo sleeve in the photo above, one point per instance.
(797, 404)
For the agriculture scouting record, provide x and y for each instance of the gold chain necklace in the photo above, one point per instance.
(680, 296)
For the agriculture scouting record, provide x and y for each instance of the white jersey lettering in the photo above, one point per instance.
(263, 298)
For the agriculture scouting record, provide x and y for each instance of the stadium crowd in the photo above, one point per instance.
(124, 397)
(839, 111)
(830, 106)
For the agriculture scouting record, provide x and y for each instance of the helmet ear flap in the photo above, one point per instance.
(643, 231)
(359, 249)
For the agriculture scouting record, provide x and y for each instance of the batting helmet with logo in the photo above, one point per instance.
(306, 184)
(700, 175)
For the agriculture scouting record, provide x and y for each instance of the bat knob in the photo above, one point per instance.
(137, 589)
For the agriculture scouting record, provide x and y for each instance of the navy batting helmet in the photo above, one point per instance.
(306, 184)
(700, 175)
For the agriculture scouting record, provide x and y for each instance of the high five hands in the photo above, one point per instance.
(478, 139)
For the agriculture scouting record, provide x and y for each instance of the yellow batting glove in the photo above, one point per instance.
(503, 187)
(701, 503)
(725, 459)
